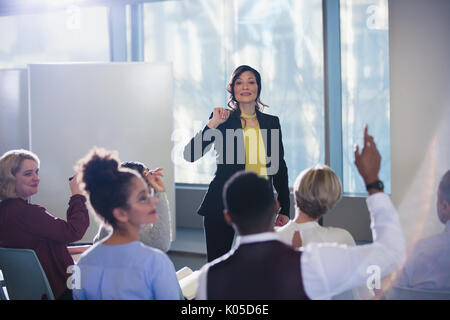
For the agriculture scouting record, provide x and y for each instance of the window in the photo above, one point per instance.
(206, 40)
(75, 34)
(190, 35)
(365, 84)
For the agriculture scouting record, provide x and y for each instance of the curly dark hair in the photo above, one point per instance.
(107, 185)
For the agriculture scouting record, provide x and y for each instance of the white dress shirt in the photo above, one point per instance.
(330, 268)
(313, 232)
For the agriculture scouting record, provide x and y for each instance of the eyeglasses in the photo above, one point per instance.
(147, 198)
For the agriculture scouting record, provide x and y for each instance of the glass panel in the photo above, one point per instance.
(190, 35)
(206, 40)
(365, 84)
(76, 34)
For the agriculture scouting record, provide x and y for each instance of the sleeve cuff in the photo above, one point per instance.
(377, 199)
(77, 197)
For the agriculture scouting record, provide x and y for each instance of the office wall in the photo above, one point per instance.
(13, 110)
(118, 106)
(420, 110)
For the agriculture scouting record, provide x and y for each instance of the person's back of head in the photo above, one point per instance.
(10, 163)
(317, 190)
(443, 199)
(250, 203)
(107, 185)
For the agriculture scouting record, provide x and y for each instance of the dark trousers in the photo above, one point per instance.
(219, 236)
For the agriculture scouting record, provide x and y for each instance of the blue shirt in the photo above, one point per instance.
(131, 271)
(428, 266)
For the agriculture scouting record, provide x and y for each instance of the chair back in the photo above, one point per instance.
(23, 275)
(402, 293)
(2, 285)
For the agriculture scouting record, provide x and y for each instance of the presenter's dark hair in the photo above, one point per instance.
(107, 185)
(250, 202)
(232, 102)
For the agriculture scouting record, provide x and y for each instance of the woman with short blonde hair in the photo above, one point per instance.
(316, 191)
(9, 165)
(24, 225)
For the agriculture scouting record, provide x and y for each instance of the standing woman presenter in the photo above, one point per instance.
(244, 138)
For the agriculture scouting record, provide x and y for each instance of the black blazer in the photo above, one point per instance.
(228, 140)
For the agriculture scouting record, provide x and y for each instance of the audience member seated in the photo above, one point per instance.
(157, 235)
(428, 266)
(316, 191)
(261, 266)
(29, 226)
(121, 266)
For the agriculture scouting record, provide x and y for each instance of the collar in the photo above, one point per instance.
(257, 237)
(447, 226)
(248, 116)
(262, 120)
(306, 225)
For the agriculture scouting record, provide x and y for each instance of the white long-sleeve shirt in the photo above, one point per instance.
(329, 268)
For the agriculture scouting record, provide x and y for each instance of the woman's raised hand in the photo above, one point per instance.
(75, 185)
(153, 178)
(220, 115)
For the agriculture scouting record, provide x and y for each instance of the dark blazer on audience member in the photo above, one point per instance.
(268, 270)
(212, 202)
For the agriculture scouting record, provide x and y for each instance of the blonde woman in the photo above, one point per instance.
(25, 225)
(316, 191)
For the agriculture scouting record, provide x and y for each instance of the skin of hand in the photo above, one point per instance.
(281, 220)
(220, 115)
(154, 180)
(74, 185)
(368, 161)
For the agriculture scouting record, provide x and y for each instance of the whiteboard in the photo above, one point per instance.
(118, 106)
(13, 110)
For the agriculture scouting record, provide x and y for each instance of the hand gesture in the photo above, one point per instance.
(220, 115)
(74, 185)
(281, 220)
(368, 162)
(154, 180)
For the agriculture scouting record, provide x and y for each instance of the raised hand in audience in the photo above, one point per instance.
(368, 161)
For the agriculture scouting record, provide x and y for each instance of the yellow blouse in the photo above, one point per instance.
(255, 151)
